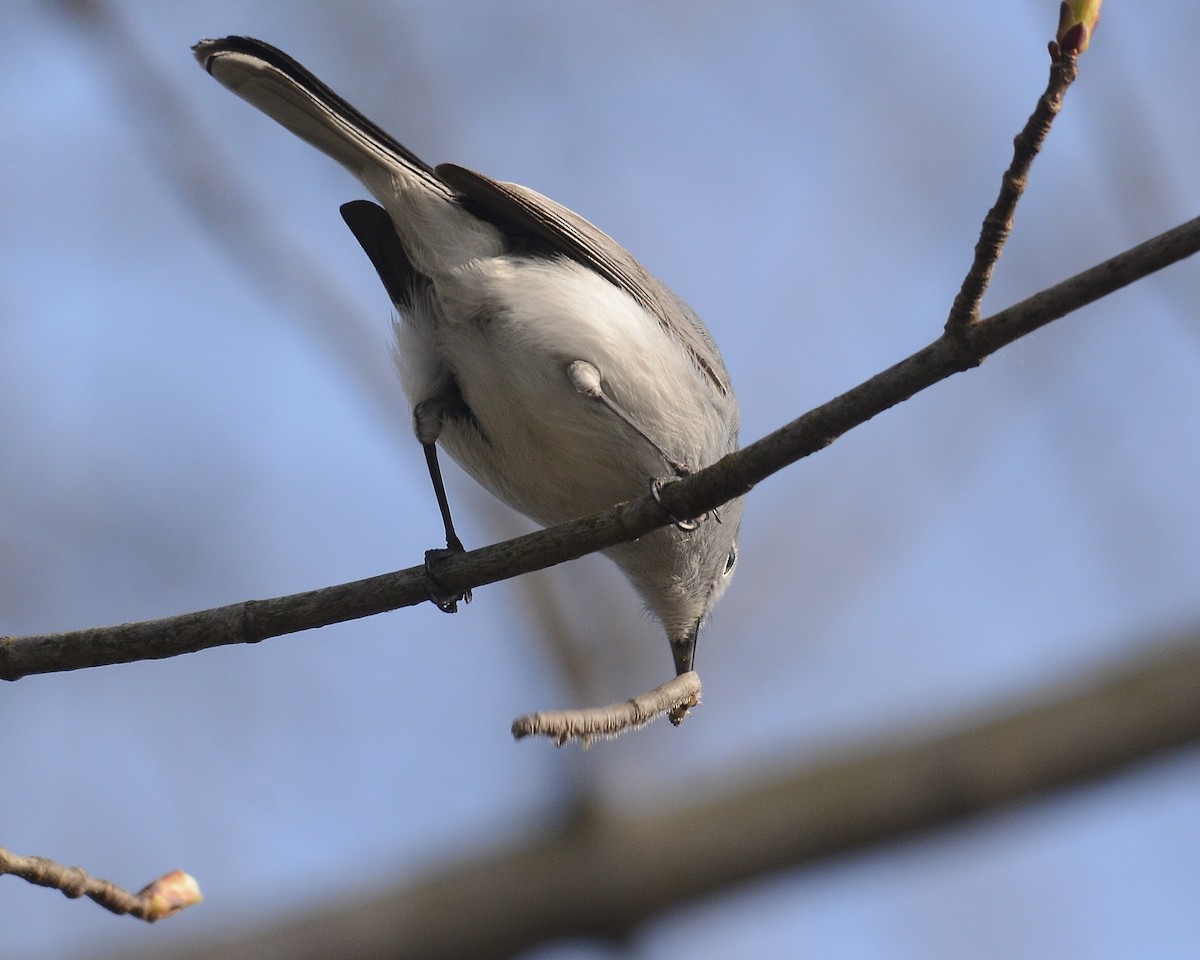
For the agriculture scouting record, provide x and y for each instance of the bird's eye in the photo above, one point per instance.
(731, 561)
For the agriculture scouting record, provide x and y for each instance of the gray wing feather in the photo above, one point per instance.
(518, 209)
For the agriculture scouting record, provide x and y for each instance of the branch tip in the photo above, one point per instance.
(162, 898)
(1076, 23)
(998, 224)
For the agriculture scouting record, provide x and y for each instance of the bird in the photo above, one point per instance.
(553, 367)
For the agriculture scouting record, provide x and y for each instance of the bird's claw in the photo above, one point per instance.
(656, 486)
(439, 596)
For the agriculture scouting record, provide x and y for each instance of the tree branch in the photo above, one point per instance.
(164, 897)
(705, 490)
(998, 223)
(676, 697)
(601, 874)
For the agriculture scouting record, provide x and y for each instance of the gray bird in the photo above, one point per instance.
(535, 349)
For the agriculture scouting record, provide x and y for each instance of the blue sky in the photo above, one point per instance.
(195, 411)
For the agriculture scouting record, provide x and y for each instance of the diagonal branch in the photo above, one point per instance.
(226, 205)
(998, 223)
(606, 873)
(732, 476)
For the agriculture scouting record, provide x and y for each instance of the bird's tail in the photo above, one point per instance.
(288, 93)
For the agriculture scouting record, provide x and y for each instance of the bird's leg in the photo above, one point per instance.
(428, 418)
(585, 378)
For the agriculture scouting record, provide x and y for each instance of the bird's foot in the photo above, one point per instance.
(445, 600)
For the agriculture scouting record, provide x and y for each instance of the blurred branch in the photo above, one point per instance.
(164, 897)
(197, 167)
(550, 625)
(604, 874)
(705, 490)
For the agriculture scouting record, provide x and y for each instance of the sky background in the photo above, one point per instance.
(196, 408)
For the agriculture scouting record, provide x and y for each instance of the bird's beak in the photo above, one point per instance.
(683, 649)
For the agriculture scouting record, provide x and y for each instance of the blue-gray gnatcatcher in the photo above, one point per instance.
(551, 365)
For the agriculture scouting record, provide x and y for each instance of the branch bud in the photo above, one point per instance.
(1076, 24)
(171, 893)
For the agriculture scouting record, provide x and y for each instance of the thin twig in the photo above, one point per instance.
(164, 897)
(997, 225)
(703, 491)
(675, 697)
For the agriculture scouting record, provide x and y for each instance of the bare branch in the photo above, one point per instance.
(705, 490)
(676, 697)
(164, 897)
(998, 223)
